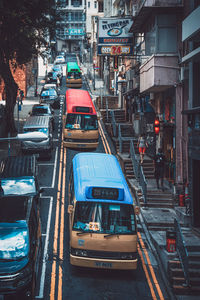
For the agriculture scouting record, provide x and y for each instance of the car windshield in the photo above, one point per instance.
(81, 121)
(44, 130)
(49, 92)
(14, 240)
(104, 218)
(17, 186)
(40, 111)
(56, 68)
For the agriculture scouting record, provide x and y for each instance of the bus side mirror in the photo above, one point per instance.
(137, 210)
(70, 209)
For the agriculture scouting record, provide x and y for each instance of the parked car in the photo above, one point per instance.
(51, 77)
(59, 70)
(42, 147)
(20, 248)
(60, 59)
(51, 97)
(43, 110)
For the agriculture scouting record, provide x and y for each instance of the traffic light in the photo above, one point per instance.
(156, 126)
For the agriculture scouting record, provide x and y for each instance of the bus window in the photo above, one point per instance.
(104, 218)
(80, 121)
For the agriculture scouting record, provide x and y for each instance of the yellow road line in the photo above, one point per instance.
(56, 228)
(147, 274)
(104, 140)
(150, 267)
(60, 276)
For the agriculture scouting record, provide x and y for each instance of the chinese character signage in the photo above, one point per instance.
(114, 37)
(75, 31)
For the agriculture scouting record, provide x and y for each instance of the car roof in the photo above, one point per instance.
(17, 166)
(37, 122)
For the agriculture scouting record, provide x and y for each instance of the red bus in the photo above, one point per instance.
(80, 123)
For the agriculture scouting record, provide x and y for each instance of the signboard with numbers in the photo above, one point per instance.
(115, 50)
(114, 37)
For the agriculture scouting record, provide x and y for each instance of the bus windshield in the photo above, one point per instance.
(105, 218)
(75, 75)
(81, 121)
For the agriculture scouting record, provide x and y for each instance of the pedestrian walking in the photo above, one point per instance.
(58, 82)
(159, 165)
(21, 93)
(142, 145)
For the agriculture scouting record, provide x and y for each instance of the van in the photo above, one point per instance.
(20, 227)
(38, 124)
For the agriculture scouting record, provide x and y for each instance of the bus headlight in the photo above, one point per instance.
(79, 252)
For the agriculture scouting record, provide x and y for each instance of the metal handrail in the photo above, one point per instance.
(143, 183)
(107, 109)
(120, 138)
(182, 251)
(138, 170)
(113, 123)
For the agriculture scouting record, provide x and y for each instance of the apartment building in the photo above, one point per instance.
(71, 30)
(190, 66)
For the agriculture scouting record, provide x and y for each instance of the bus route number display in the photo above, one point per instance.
(105, 193)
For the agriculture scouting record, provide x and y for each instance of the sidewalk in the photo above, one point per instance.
(156, 221)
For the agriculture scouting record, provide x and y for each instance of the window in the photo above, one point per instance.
(88, 4)
(100, 7)
(95, 4)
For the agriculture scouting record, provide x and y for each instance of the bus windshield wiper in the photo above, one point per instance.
(112, 234)
(84, 232)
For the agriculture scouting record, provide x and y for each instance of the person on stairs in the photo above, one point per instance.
(159, 165)
(142, 145)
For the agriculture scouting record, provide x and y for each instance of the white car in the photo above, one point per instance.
(60, 59)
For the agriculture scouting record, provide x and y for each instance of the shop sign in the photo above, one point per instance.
(115, 50)
(114, 31)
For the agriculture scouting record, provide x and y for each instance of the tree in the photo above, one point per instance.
(24, 26)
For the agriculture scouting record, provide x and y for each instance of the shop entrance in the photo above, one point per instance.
(196, 192)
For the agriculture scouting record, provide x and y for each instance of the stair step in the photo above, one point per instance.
(181, 281)
(184, 290)
(178, 272)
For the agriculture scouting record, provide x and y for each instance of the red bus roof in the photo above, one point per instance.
(79, 101)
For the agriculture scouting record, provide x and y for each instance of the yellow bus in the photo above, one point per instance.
(102, 214)
(80, 123)
(73, 75)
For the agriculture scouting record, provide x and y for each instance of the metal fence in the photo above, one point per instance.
(138, 171)
(182, 251)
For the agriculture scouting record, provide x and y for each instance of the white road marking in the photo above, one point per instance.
(44, 260)
(54, 170)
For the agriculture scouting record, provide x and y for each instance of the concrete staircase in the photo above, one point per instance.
(176, 274)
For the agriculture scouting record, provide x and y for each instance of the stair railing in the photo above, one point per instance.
(113, 123)
(120, 138)
(107, 109)
(139, 174)
(182, 251)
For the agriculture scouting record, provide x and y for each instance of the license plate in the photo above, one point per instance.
(106, 265)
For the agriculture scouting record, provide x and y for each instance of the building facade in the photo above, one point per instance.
(71, 30)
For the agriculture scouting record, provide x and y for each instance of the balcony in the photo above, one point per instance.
(142, 9)
(159, 73)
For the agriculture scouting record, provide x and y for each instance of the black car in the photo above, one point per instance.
(51, 77)
(51, 97)
(43, 110)
(20, 229)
